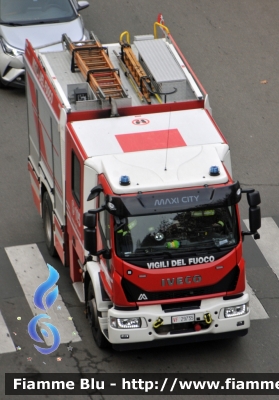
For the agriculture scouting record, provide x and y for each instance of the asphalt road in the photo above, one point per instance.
(233, 48)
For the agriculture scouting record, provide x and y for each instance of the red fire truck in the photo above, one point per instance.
(133, 180)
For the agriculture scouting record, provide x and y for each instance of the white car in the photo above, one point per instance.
(43, 23)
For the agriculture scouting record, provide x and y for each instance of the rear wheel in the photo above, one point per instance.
(48, 224)
(92, 315)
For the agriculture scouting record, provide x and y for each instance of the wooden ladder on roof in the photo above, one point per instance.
(92, 59)
(136, 73)
(135, 69)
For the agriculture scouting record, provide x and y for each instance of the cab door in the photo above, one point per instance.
(74, 208)
(105, 242)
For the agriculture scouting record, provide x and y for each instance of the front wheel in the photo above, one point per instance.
(48, 224)
(92, 315)
(2, 86)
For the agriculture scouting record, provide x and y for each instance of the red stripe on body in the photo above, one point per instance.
(58, 239)
(58, 226)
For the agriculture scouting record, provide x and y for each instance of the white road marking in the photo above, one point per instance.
(32, 271)
(6, 342)
(257, 311)
(269, 242)
(269, 247)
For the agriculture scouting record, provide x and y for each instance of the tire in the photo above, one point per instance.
(48, 224)
(2, 86)
(92, 315)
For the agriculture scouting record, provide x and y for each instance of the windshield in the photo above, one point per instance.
(26, 12)
(173, 233)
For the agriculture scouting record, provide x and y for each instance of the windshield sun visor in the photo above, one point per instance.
(144, 204)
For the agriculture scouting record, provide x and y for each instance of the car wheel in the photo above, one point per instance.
(2, 86)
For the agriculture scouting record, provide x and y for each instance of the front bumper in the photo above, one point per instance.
(217, 326)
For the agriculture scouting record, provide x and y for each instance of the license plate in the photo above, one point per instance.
(183, 318)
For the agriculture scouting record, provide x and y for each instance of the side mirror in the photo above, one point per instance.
(95, 192)
(90, 241)
(254, 219)
(82, 5)
(253, 198)
(89, 220)
(90, 235)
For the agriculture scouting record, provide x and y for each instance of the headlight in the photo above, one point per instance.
(236, 311)
(11, 51)
(125, 323)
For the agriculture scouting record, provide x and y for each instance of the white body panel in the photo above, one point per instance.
(118, 146)
(47, 147)
(150, 314)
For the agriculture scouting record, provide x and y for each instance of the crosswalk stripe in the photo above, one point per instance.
(32, 271)
(269, 247)
(6, 342)
(257, 311)
(269, 242)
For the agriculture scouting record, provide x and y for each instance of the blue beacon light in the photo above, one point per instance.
(214, 171)
(124, 180)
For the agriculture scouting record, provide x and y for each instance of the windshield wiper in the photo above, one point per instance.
(206, 244)
(43, 22)
(10, 24)
(151, 252)
(213, 244)
(161, 253)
